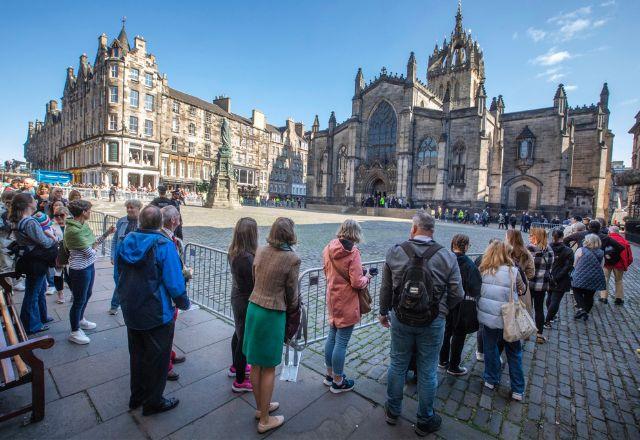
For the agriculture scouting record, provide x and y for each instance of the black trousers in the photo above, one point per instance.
(239, 307)
(538, 308)
(149, 353)
(553, 304)
(452, 345)
(584, 298)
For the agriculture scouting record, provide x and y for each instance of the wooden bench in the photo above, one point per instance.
(18, 364)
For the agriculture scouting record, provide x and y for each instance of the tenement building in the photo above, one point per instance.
(439, 143)
(121, 123)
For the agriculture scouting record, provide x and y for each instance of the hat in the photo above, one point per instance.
(43, 219)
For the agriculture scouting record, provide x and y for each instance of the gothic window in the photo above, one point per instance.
(427, 161)
(342, 164)
(456, 91)
(458, 163)
(382, 134)
(524, 146)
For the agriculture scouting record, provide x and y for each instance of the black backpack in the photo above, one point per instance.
(418, 300)
(611, 254)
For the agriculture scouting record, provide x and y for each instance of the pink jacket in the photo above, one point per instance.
(342, 296)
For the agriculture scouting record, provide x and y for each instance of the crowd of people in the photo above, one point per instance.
(431, 296)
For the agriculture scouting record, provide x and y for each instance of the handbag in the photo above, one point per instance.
(465, 316)
(364, 297)
(517, 323)
(293, 320)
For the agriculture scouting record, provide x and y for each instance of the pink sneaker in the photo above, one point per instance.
(232, 370)
(244, 387)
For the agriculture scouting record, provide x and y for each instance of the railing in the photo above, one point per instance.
(545, 225)
(121, 195)
(99, 223)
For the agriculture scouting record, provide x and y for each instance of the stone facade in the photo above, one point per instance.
(437, 143)
(121, 123)
(633, 197)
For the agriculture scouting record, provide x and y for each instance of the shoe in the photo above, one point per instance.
(273, 406)
(432, 425)
(547, 325)
(585, 317)
(489, 385)
(274, 422)
(343, 387)
(166, 405)
(179, 359)
(244, 387)
(479, 357)
(579, 314)
(44, 328)
(48, 319)
(60, 298)
(391, 419)
(19, 285)
(172, 375)
(232, 370)
(443, 365)
(78, 337)
(540, 339)
(113, 311)
(459, 371)
(87, 325)
(517, 396)
(328, 380)
(134, 405)
(603, 300)
(50, 291)
(618, 301)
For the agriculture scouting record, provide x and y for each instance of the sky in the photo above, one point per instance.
(299, 58)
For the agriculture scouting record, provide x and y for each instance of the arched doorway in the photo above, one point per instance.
(523, 198)
(378, 186)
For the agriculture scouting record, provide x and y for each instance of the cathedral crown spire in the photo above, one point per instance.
(458, 29)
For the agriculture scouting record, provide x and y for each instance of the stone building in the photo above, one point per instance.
(633, 196)
(121, 123)
(439, 143)
(619, 193)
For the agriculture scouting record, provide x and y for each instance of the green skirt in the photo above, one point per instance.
(263, 336)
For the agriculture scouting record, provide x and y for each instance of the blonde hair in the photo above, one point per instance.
(540, 236)
(350, 230)
(497, 254)
(592, 241)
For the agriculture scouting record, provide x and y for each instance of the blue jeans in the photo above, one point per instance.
(50, 282)
(336, 347)
(33, 312)
(492, 339)
(426, 341)
(81, 288)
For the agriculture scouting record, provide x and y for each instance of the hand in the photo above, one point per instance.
(111, 230)
(50, 233)
(384, 320)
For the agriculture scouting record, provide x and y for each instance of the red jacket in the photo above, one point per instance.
(342, 296)
(626, 256)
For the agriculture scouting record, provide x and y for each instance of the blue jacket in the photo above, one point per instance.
(149, 288)
(121, 227)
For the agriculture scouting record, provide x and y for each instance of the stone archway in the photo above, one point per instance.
(377, 186)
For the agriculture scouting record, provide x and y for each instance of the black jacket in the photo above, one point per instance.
(562, 267)
(471, 279)
(242, 274)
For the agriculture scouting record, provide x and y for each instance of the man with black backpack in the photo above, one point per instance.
(421, 282)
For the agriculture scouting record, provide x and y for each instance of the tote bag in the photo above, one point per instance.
(518, 324)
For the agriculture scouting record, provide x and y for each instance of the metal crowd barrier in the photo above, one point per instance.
(544, 225)
(99, 222)
(103, 194)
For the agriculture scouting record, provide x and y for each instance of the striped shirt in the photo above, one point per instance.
(82, 258)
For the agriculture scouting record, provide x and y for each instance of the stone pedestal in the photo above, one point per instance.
(223, 193)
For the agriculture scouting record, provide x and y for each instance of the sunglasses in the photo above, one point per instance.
(59, 215)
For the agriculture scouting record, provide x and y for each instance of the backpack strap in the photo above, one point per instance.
(408, 249)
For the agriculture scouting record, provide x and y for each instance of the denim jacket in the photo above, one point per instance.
(121, 227)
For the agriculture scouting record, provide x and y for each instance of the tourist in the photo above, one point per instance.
(420, 329)
(618, 263)
(81, 243)
(345, 277)
(539, 284)
(502, 222)
(513, 220)
(500, 279)
(124, 226)
(148, 285)
(60, 273)
(275, 294)
(560, 281)
(588, 276)
(453, 343)
(242, 251)
(170, 221)
(162, 200)
(40, 253)
(74, 194)
(28, 185)
(523, 261)
(112, 193)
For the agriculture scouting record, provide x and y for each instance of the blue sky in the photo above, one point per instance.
(299, 58)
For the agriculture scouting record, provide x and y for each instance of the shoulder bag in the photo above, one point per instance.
(517, 323)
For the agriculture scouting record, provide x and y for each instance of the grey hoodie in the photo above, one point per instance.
(444, 269)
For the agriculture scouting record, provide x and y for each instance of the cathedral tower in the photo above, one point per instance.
(457, 66)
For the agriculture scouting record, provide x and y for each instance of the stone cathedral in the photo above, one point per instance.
(438, 143)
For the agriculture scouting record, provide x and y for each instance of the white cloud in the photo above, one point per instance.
(570, 87)
(629, 102)
(552, 57)
(536, 34)
(574, 24)
(609, 3)
(599, 23)
(571, 28)
(563, 17)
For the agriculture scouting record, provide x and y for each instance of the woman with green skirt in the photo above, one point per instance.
(275, 292)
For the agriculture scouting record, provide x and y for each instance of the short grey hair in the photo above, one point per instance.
(350, 230)
(150, 218)
(614, 229)
(169, 212)
(135, 203)
(578, 227)
(592, 241)
(424, 221)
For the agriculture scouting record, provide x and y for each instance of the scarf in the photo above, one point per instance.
(78, 235)
(285, 247)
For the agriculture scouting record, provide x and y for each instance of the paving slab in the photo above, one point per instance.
(122, 427)
(204, 362)
(200, 335)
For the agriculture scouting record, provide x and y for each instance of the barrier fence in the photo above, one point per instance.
(122, 195)
(99, 223)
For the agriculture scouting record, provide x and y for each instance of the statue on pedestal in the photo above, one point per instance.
(223, 188)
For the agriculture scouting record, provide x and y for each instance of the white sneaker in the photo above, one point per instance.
(479, 357)
(517, 396)
(19, 285)
(87, 325)
(50, 291)
(79, 337)
(489, 385)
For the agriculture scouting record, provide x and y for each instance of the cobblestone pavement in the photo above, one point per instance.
(582, 384)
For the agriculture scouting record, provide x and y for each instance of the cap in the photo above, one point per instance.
(43, 219)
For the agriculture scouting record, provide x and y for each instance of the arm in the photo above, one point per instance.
(33, 230)
(386, 290)
(475, 281)
(114, 242)
(520, 286)
(566, 268)
(172, 278)
(291, 286)
(455, 292)
(529, 267)
(244, 266)
(356, 279)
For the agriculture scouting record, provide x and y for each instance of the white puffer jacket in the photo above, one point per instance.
(495, 292)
